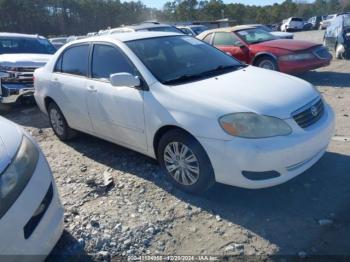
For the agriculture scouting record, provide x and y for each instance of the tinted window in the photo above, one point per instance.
(208, 38)
(75, 60)
(294, 19)
(107, 60)
(26, 45)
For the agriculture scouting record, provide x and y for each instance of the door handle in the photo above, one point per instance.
(55, 79)
(92, 88)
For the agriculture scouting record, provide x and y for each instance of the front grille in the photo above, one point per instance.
(322, 53)
(309, 114)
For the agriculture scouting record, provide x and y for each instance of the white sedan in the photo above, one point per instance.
(31, 215)
(205, 116)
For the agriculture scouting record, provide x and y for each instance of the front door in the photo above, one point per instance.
(116, 112)
(230, 43)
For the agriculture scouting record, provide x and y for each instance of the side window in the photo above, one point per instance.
(58, 66)
(75, 60)
(225, 38)
(208, 38)
(107, 60)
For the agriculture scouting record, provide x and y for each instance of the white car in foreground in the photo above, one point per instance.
(31, 215)
(205, 116)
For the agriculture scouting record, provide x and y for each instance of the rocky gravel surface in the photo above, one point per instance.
(141, 213)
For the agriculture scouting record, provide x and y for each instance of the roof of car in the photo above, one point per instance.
(4, 34)
(146, 25)
(129, 36)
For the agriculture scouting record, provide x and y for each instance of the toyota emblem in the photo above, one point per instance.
(314, 111)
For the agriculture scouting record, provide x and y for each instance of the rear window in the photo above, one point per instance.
(296, 19)
(18, 45)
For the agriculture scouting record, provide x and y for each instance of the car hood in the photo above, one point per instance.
(288, 44)
(24, 60)
(251, 89)
(10, 139)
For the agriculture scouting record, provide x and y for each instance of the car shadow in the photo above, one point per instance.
(327, 78)
(287, 215)
(68, 249)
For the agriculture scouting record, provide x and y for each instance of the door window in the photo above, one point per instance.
(107, 60)
(224, 38)
(207, 39)
(74, 61)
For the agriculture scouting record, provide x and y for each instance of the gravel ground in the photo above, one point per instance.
(143, 214)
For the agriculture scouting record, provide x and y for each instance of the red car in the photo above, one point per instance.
(260, 48)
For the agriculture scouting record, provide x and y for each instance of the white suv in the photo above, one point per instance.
(292, 24)
(205, 116)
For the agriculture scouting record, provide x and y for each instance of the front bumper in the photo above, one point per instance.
(11, 92)
(288, 155)
(14, 243)
(294, 67)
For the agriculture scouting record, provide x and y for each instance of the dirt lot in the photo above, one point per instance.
(143, 214)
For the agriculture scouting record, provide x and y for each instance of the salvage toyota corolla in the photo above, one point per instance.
(205, 116)
(31, 214)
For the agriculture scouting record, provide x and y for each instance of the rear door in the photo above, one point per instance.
(230, 43)
(69, 86)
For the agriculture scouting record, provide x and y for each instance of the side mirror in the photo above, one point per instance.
(124, 79)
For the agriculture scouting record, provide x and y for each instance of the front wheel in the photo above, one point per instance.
(267, 63)
(59, 124)
(185, 162)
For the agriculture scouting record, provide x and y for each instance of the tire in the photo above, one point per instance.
(59, 124)
(267, 63)
(340, 51)
(195, 175)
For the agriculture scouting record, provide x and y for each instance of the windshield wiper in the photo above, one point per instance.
(204, 74)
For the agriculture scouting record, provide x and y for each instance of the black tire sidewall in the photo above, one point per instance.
(259, 60)
(206, 176)
(65, 135)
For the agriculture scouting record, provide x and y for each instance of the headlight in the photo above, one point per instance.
(296, 57)
(14, 179)
(251, 125)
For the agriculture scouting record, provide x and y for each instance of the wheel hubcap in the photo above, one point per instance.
(181, 163)
(267, 65)
(56, 121)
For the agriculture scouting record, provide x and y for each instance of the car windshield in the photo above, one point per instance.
(255, 35)
(26, 45)
(346, 20)
(265, 28)
(296, 19)
(180, 59)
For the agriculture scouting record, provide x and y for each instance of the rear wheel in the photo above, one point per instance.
(59, 124)
(267, 63)
(185, 162)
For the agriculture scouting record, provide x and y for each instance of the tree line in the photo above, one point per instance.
(67, 17)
